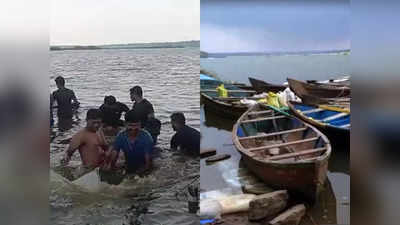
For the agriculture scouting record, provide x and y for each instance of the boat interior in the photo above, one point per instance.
(268, 135)
(325, 116)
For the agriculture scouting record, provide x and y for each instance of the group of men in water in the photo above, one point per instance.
(136, 141)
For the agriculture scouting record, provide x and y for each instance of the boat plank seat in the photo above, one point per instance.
(235, 98)
(312, 111)
(259, 112)
(296, 154)
(229, 91)
(262, 119)
(273, 134)
(283, 144)
(308, 159)
(334, 117)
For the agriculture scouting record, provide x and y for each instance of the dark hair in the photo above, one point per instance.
(132, 117)
(110, 100)
(178, 117)
(60, 80)
(137, 90)
(93, 114)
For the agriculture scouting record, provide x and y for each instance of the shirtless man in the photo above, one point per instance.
(89, 141)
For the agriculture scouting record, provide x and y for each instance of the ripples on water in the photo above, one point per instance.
(170, 81)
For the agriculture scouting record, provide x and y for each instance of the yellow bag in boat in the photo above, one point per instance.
(263, 101)
(273, 100)
(222, 92)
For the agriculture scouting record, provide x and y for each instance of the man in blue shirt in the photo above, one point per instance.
(135, 142)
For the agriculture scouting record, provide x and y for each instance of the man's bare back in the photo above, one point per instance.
(91, 147)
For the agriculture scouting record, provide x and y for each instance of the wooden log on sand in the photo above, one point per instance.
(268, 205)
(291, 216)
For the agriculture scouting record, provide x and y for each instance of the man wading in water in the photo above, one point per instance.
(136, 144)
(186, 139)
(90, 142)
(66, 103)
(145, 112)
(111, 111)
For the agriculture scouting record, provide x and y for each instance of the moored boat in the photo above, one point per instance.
(324, 117)
(262, 86)
(283, 151)
(343, 81)
(312, 100)
(227, 107)
(301, 89)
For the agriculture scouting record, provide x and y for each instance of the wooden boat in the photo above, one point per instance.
(340, 81)
(226, 109)
(301, 89)
(229, 107)
(283, 151)
(312, 100)
(325, 117)
(243, 86)
(261, 86)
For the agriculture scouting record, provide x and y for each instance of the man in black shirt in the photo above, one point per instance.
(186, 139)
(144, 109)
(141, 105)
(111, 111)
(51, 110)
(66, 101)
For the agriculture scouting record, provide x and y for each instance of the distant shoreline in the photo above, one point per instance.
(180, 44)
(204, 54)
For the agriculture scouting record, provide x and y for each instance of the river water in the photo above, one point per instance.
(170, 81)
(225, 176)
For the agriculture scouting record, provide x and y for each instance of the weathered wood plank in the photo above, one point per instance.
(218, 158)
(229, 91)
(207, 152)
(268, 204)
(274, 134)
(282, 144)
(295, 154)
(262, 119)
(291, 216)
(259, 112)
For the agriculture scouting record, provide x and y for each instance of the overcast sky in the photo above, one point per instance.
(89, 22)
(267, 26)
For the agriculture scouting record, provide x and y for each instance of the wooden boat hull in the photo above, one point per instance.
(223, 109)
(304, 178)
(340, 81)
(301, 89)
(312, 100)
(261, 86)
